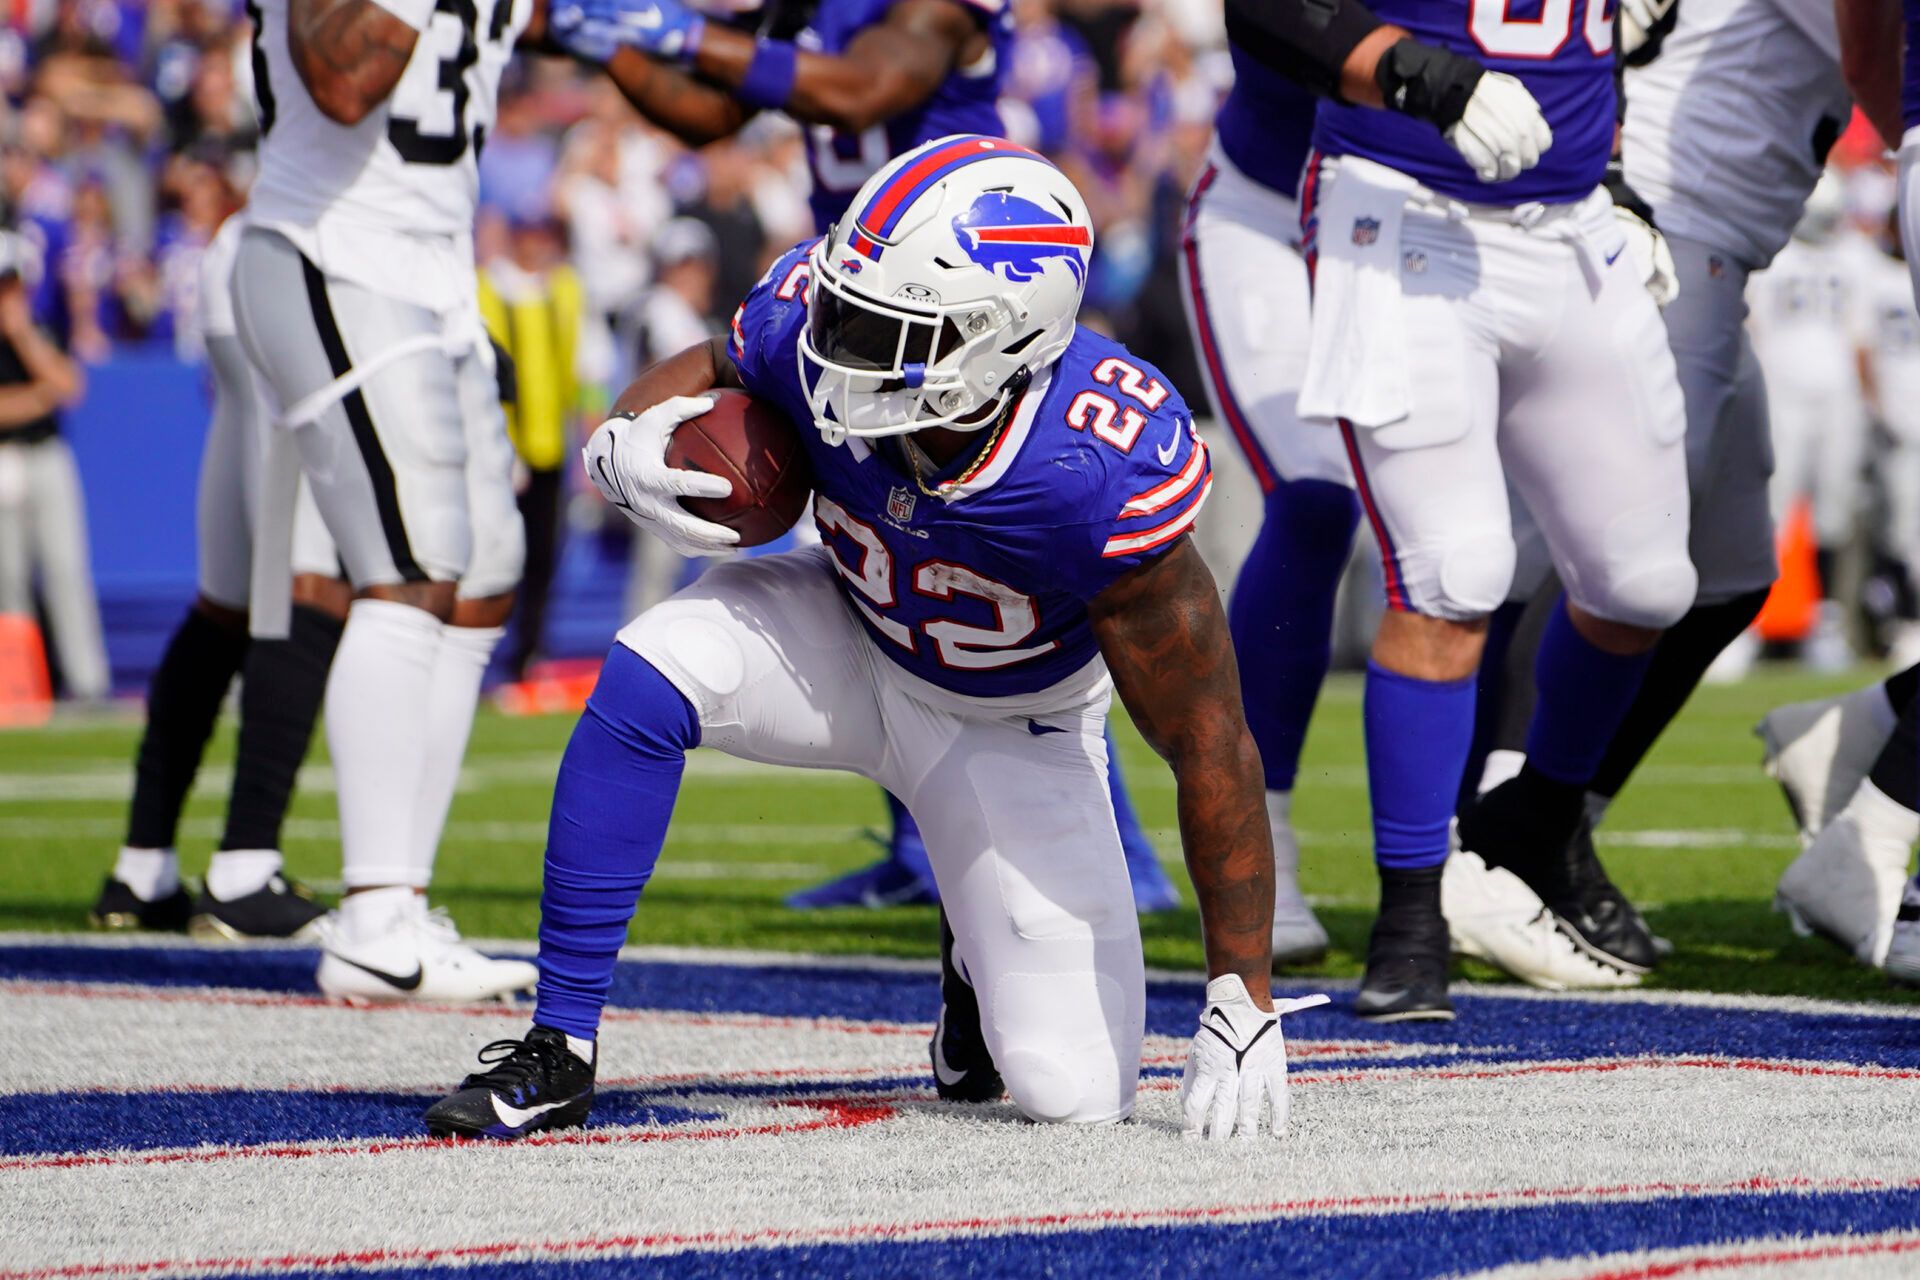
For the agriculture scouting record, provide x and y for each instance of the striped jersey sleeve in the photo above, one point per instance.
(1150, 501)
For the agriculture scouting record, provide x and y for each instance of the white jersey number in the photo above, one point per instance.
(1538, 39)
(956, 644)
(842, 162)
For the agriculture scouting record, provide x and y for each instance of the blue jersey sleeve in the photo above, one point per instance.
(1150, 495)
(760, 339)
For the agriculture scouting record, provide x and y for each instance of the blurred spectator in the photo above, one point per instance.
(518, 164)
(610, 191)
(43, 529)
(532, 302)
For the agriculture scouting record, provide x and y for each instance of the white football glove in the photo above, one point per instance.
(1637, 21)
(1237, 1068)
(1651, 257)
(1501, 134)
(627, 461)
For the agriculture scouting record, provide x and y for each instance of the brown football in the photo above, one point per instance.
(756, 446)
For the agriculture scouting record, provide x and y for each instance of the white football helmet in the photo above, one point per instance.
(955, 276)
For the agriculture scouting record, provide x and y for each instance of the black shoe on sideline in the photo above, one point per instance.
(963, 1070)
(1408, 953)
(531, 1084)
(281, 908)
(117, 908)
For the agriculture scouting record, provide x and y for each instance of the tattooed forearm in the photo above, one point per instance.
(1164, 636)
(697, 369)
(349, 53)
(683, 104)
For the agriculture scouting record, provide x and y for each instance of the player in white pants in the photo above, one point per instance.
(355, 297)
(1807, 333)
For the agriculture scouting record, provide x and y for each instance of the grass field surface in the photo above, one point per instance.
(1698, 839)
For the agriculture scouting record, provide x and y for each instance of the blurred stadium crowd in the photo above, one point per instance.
(128, 135)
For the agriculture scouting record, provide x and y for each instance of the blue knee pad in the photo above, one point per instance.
(611, 804)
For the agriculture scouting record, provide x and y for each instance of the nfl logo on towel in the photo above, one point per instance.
(1366, 231)
(900, 504)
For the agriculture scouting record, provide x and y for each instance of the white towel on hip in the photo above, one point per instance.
(1357, 353)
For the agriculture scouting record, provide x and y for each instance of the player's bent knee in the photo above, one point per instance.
(1067, 1044)
(1469, 578)
(1049, 1090)
(1654, 595)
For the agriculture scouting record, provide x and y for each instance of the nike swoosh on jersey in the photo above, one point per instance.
(516, 1118)
(410, 982)
(1173, 446)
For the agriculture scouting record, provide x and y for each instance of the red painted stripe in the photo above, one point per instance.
(1034, 235)
(1263, 469)
(882, 1231)
(1389, 558)
(1736, 1257)
(840, 1114)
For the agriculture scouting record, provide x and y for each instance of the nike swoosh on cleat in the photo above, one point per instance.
(1035, 728)
(516, 1118)
(948, 1076)
(411, 982)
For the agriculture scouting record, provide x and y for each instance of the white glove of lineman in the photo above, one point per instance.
(1501, 134)
(627, 461)
(1237, 1068)
(1651, 257)
(1638, 19)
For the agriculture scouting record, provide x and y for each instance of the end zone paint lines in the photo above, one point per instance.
(839, 1113)
(1664, 1264)
(932, 1229)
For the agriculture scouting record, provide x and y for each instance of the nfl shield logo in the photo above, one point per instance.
(1366, 231)
(900, 504)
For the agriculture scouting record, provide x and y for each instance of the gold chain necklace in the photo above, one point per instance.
(913, 452)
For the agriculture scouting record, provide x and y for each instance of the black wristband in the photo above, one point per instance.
(1427, 82)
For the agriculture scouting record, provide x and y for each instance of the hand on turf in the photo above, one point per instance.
(627, 461)
(1237, 1068)
(595, 29)
(1501, 134)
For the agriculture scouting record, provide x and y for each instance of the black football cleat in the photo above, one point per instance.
(531, 1084)
(1408, 953)
(963, 1070)
(281, 908)
(1529, 825)
(1619, 931)
(117, 908)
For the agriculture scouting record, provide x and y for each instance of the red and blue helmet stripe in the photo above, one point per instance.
(890, 203)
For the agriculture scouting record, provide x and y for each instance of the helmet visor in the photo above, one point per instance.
(854, 334)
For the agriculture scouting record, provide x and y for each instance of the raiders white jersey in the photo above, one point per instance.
(1892, 331)
(1806, 316)
(1728, 129)
(408, 172)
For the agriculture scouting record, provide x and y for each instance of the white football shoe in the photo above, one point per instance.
(1820, 751)
(418, 957)
(1298, 936)
(1846, 885)
(1493, 916)
(1903, 954)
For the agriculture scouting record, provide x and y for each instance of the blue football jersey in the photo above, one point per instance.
(965, 103)
(1266, 124)
(981, 585)
(1562, 50)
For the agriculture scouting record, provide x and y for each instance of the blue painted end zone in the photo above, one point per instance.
(1414, 1246)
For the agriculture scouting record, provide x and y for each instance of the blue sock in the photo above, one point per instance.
(611, 804)
(1582, 693)
(905, 845)
(1281, 615)
(1418, 735)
